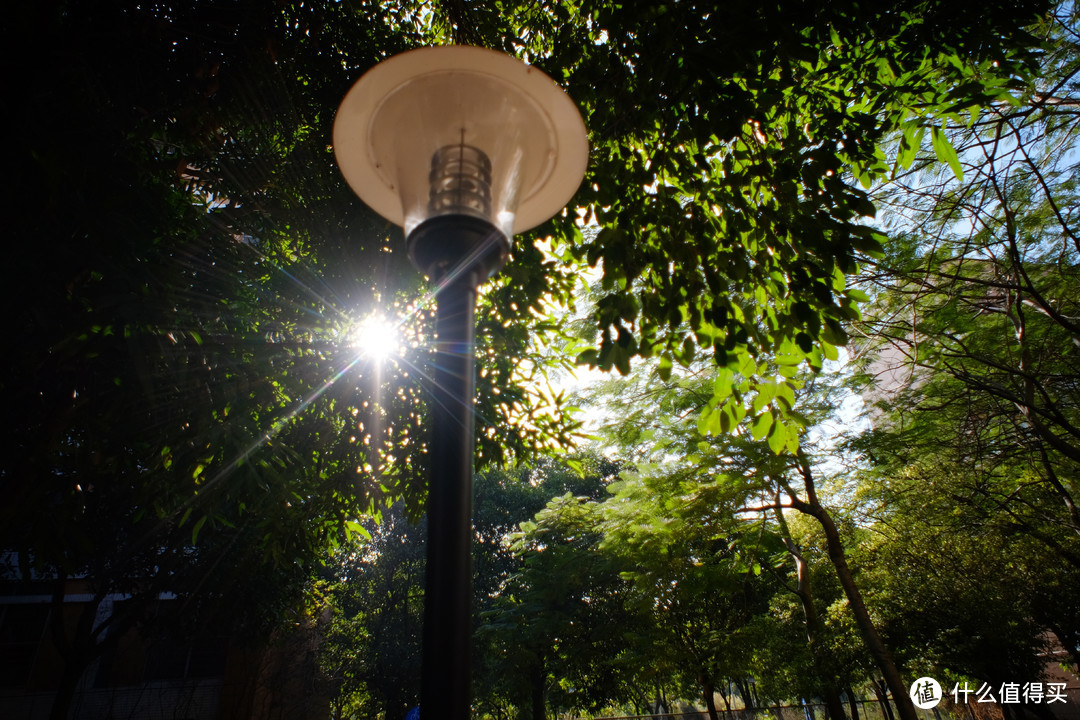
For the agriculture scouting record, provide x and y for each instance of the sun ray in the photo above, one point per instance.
(376, 337)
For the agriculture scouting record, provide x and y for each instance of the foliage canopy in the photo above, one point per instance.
(182, 412)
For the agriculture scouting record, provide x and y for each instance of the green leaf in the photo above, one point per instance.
(909, 146)
(786, 392)
(198, 526)
(355, 529)
(777, 438)
(793, 439)
(833, 334)
(587, 357)
(664, 368)
(761, 425)
(688, 350)
(722, 385)
(726, 422)
(765, 395)
(576, 465)
(710, 421)
(869, 242)
(621, 358)
(946, 153)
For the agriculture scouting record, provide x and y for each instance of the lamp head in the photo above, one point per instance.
(460, 140)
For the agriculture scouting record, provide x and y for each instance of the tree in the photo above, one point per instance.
(190, 256)
(956, 595)
(550, 619)
(970, 347)
(745, 472)
(375, 593)
(185, 416)
(808, 644)
(977, 297)
(726, 142)
(372, 648)
(690, 574)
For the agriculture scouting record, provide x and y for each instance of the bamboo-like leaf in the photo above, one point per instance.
(946, 153)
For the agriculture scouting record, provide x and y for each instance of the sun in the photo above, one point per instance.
(375, 337)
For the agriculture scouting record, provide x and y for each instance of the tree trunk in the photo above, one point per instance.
(707, 692)
(1066, 496)
(723, 696)
(853, 704)
(881, 693)
(833, 706)
(78, 650)
(65, 691)
(538, 710)
(1068, 640)
(744, 691)
(870, 635)
(662, 707)
(880, 653)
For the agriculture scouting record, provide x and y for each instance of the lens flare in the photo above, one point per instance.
(375, 337)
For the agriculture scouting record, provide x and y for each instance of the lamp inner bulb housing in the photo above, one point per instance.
(460, 182)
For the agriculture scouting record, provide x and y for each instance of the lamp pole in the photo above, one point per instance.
(447, 634)
(462, 147)
(459, 251)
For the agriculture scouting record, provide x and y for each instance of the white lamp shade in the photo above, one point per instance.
(403, 110)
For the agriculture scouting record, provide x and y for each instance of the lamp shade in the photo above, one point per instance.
(460, 130)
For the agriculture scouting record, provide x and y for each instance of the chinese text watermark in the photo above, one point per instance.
(927, 693)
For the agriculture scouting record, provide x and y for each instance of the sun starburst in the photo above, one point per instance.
(375, 337)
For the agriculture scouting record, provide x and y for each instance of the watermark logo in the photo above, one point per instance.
(925, 693)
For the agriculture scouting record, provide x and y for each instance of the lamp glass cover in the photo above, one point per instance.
(443, 104)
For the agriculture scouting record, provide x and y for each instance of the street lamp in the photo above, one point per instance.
(462, 147)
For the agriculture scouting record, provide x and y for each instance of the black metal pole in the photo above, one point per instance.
(447, 636)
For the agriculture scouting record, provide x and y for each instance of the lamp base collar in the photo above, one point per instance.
(456, 245)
